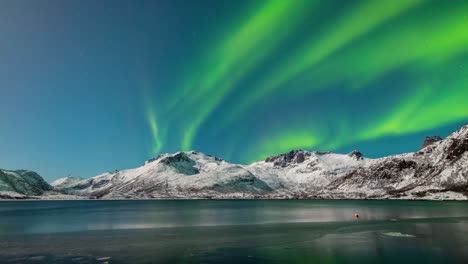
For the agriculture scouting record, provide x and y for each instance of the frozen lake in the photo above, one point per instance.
(233, 231)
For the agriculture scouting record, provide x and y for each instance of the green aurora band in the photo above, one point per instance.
(424, 41)
(234, 57)
(313, 51)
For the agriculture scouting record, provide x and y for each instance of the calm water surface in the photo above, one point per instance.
(258, 231)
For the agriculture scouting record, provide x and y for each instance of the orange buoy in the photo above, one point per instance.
(356, 215)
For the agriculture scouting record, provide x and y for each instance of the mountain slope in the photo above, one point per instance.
(440, 168)
(66, 182)
(183, 174)
(21, 183)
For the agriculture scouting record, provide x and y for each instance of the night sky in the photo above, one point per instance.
(92, 86)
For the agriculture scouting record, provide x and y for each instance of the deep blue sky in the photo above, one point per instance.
(92, 86)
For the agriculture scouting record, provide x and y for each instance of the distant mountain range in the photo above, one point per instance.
(438, 171)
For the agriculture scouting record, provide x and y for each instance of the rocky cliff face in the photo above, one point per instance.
(288, 159)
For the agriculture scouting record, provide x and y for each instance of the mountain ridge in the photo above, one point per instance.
(437, 171)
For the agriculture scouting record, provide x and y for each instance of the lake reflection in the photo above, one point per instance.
(228, 231)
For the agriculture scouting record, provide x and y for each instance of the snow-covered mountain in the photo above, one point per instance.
(66, 182)
(300, 173)
(183, 174)
(438, 171)
(21, 184)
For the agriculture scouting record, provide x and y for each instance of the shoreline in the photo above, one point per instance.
(241, 199)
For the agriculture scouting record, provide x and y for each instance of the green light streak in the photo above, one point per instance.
(426, 108)
(360, 21)
(151, 118)
(420, 45)
(157, 142)
(354, 52)
(431, 103)
(250, 39)
(235, 57)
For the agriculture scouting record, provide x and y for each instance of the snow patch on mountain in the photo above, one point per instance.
(302, 172)
(66, 182)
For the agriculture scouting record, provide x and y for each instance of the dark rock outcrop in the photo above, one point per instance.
(356, 154)
(292, 157)
(182, 163)
(429, 140)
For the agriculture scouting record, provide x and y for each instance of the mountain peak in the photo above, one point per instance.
(429, 140)
(155, 158)
(181, 162)
(460, 133)
(293, 157)
(356, 154)
(192, 154)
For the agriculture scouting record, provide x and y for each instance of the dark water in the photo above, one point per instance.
(206, 231)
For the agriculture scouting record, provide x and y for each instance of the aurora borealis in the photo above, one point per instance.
(121, 81)
(365, 47)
